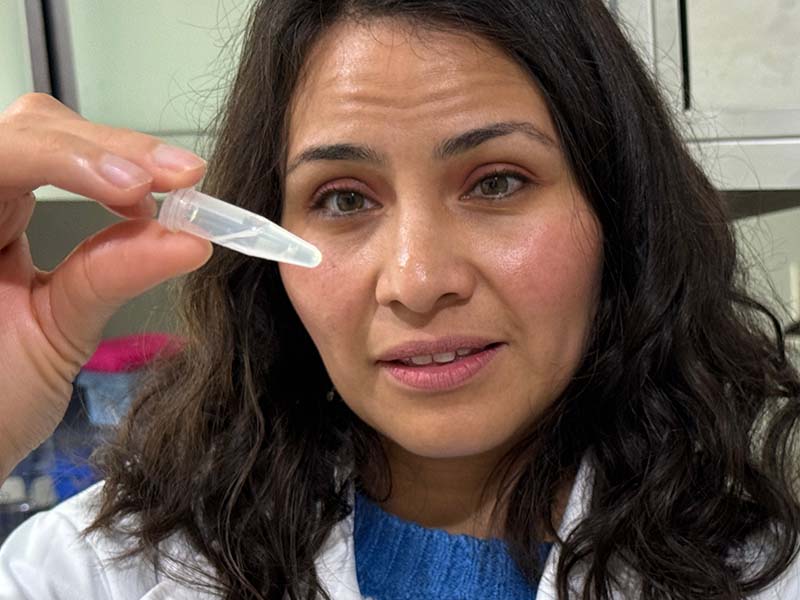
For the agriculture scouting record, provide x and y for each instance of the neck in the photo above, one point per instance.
(443, 493)
(457, 495)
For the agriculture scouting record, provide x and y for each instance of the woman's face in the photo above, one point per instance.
(427, 170)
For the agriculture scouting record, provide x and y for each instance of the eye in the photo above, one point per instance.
(339, 202)
(499, 185)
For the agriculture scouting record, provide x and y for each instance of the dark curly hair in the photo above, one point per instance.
(684, 402)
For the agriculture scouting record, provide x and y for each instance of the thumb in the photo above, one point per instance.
(105, 271)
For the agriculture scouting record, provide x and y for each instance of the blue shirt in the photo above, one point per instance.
(401, 560)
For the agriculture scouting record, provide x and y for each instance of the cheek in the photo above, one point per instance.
(328, 299)
(551, 269)
(313, 295)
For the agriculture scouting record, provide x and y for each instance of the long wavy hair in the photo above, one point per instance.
(684, 402)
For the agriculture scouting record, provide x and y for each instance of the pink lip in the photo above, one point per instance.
(437, 346)
(441, 377)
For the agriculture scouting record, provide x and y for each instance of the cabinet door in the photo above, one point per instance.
(732, 67)
(735, 59)
(152, 65)
(745, 56)
(636, 20)
(15, 61)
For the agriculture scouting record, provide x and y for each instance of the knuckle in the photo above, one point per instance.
(32, 103)
(100, 282)
(106, 135)
(149, 142)
(88, 277)
(111, 136)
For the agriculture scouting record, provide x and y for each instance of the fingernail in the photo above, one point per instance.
(176, 159)
(122, 173)
(150, 205)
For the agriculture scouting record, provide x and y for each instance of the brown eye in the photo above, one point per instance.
(498, 185)
(348, 201)
(335, 202)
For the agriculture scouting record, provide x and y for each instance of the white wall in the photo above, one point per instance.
(774, 241)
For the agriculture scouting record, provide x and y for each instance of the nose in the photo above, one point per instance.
(426, 264)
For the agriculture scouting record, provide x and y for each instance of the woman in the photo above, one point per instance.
(528, 326)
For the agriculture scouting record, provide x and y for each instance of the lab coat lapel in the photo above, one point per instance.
(577, 507)
(336, 563)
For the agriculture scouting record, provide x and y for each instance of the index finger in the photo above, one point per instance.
(78, 164)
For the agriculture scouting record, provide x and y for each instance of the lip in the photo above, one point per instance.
(436, 377)
(445, 344)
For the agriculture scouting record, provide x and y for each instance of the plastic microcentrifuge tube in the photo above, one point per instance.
(235, 228)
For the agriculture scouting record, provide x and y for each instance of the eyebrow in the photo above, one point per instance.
(450, 147)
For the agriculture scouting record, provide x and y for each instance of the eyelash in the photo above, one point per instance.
(321, 198)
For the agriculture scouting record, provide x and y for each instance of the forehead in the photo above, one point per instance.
(391, 75)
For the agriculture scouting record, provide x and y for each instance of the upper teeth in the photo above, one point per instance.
(443, 357)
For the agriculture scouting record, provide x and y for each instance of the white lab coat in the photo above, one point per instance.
(47, 559)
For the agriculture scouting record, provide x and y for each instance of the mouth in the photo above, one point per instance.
(442, 358)
(441, 372)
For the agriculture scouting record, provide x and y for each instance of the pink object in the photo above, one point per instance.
(131, 352)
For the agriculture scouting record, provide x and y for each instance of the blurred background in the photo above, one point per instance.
(730, 70)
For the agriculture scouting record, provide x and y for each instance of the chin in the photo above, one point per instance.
(447, 446)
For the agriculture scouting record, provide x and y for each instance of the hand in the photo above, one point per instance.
(52, 321)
